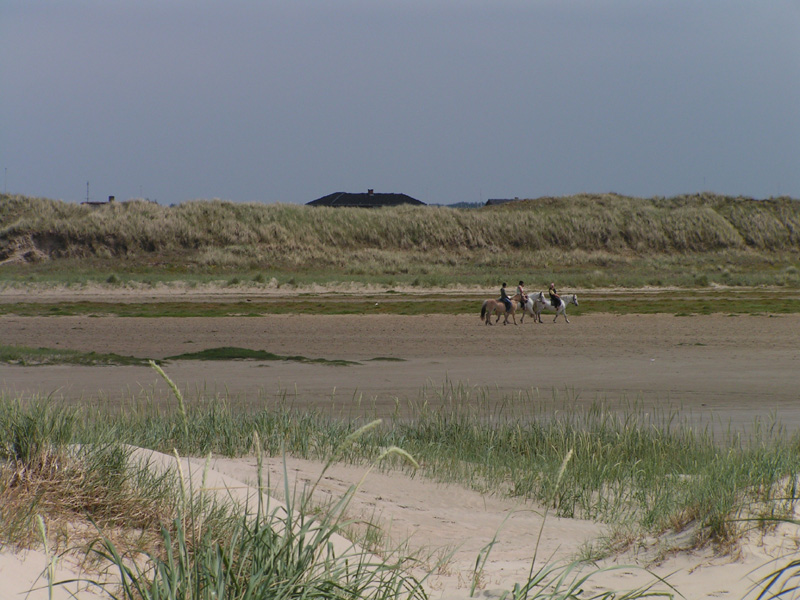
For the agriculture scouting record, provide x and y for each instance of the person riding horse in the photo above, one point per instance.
(555, 299)
(504, 297)
(523, 297)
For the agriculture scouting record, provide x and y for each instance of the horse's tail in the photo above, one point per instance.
(483, 309)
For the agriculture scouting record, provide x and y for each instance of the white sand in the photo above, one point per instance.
(435, 520)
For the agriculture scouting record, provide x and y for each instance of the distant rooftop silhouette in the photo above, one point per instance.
(368, 199)
(496, 201)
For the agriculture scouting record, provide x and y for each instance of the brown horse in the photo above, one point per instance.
(497, 307)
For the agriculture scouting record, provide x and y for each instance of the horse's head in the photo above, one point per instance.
(575, 299)
(540, 297)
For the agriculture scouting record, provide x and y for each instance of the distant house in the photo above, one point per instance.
(368, 199)
(496, 201)
(94, 203)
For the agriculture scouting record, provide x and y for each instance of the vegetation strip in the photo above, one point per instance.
(232, 353)
(26, 357)
(678, 303)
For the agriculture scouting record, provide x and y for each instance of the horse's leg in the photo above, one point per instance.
(527, 311)
(513, 314)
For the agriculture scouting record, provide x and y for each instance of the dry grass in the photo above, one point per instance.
(607, 222)
(82, 500)
(582, 241)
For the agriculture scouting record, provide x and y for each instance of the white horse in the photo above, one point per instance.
(536, 304)
(529, 307)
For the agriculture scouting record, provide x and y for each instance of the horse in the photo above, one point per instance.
(528, 307)
(539, 303)
(498, 307)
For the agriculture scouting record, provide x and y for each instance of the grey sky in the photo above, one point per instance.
(447, 101)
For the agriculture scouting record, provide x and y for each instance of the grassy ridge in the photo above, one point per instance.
(588, 222)
(586, 240)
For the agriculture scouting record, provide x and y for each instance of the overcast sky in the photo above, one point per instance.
(444, 100)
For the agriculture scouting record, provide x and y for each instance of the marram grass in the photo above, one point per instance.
(207, 551)
(587, 241)
(634, 468)
(599, 461)
(588, 222)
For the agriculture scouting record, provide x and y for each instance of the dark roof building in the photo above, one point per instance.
(496, 201)
(98, 203)
(368, 199)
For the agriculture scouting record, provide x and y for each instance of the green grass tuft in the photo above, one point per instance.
(27, 357)
(232, 353)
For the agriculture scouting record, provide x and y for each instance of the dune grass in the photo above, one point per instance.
(581, 241)
(150, 536)
(590, 222)
(649, 473)
(641, 470)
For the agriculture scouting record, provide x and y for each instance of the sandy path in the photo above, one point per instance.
(437, 520)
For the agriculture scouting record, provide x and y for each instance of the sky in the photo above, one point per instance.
(444, 100)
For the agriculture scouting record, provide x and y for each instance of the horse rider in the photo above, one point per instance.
(504, 297)
(555, 299)
(523, 297)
